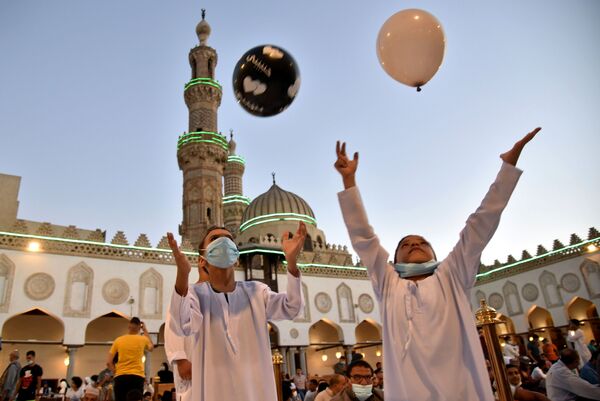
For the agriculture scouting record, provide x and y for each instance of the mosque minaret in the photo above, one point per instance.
(202, 152)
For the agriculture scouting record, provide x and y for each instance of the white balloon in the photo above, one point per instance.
(410, 46)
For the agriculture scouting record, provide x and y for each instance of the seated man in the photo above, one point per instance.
(360, 374)
(563, 384)
(519, 393)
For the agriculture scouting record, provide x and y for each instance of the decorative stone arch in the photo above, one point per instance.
(512, 300)
(550, 289)
(7, 275)
(273, 334)
(308, 243)
(506, 325)
(345, 304)
(368, 331)
(79, 289)
(104, 329)
(590, 270)
(325, 331)
(539, 318)
(585, 311)
(160, 338)
(304, 317)
(151, 294)
(18, 328)
(479, 295)
(581, 309)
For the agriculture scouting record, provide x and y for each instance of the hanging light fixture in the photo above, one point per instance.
(324, 357)
(378, 352)
(338, 355)
(67, 361)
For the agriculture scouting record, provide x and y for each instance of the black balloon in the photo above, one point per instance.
(266, 80)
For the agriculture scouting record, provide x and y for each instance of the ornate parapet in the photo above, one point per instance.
(543, 257)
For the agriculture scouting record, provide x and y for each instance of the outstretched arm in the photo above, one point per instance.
(288, 305)
(183, 266)
(363, 238)
(464, 259)
(184, 308)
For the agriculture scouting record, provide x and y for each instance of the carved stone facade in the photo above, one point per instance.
(79, 291)
(151, 295)
(345, 304)
(115, 291)
(39, 286)
(7, 273)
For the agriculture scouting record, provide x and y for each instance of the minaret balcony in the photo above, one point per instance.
(203, 81)
(203, 137)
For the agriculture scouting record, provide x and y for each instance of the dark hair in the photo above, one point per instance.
(575, 322)
(166, 396)
(77, 380)
(378, 370)
(535, 336)
(595, 355)
(30, 353)
(512, 366)
(314, 381)
(211, 228)
(286, 391)
(322, 386)
(94, 378)
(359, 362)
(135, 320)
(411, 235)
(166, 365)
(569, 356)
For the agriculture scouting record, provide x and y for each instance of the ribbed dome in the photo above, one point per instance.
(276, 201)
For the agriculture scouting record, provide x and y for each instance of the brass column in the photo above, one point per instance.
(277, 359)
(486, 321)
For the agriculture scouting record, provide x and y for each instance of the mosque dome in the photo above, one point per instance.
(274, 205)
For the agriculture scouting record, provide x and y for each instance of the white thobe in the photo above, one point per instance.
(430, 341)
(231, 350)
(578, 339)
(562, 384)
(178, 348)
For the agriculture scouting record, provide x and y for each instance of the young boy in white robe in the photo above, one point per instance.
(430, 341)
(227, 320)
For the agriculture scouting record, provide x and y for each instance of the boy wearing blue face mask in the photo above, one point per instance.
(227, 320)
(430, 342)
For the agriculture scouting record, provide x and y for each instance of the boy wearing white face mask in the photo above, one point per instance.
(360, 388)
(227, 320)
(430, 342)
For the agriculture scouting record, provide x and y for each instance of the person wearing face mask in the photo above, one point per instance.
(360, 374)
(228, 320)
(30, 379)
(424, 302)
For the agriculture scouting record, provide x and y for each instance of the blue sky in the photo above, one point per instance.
(91, 105)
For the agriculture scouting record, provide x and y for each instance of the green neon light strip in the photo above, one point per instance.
(79, 241)
(236, 158)
(583, 243)
(236, 198)
(202, 136)
(272, 220)
(203, 81)
(304, 265)
(283, 216)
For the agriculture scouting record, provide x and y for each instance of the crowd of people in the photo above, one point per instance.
(539, 371)
(217, 340)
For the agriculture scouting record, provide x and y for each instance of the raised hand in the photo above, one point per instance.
(513, 154)
(292, 247)
(183, 264)
(345, 166)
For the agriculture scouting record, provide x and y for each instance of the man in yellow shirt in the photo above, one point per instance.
(129, 372)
